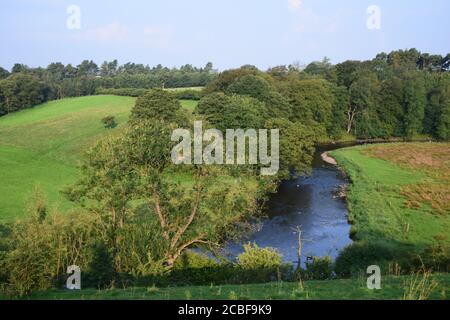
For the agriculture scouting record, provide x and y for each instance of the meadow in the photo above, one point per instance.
(42, 147)
(399, 195)
(436, 287)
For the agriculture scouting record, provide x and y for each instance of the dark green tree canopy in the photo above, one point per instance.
(156, 104)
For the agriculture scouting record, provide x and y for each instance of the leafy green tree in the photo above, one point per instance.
(232, 112)
(341, 104)
(226, 78)
(21, 91)
(250, 85)
(19, 68)
(3, 73)
(296, 146)
(390, 109)
(414, 106)
(346, 72)
(361, 115)
(311, 101)
(322, 68)
(157, 104)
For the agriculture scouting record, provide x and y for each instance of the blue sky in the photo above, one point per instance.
(228, 33)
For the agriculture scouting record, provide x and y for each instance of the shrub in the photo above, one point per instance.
(101, 269)
(43, 249)
(355, 259)
(257, 265)
(127, 92)
(188, 94)
(109, 122)
(319, 269)
(254, 258)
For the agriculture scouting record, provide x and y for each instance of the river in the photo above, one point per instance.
(309, 203)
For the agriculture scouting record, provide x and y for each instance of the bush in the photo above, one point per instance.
(101, 267)
(257, 265)
(188, 94)
(127, 92)
(254, 258)
(319, 269)
(109, 122)
(42, 249)
(355, 259)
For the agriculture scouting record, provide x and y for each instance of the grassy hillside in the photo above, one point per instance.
(392, 288)
(42, 147)
(399, 194)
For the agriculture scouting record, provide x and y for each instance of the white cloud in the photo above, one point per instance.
(117, 33)
(294, 5)
(306, 20)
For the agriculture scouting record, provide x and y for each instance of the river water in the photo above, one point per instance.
(309, 203)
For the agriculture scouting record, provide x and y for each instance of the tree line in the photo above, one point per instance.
(26, 87)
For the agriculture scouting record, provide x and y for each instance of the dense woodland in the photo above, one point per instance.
(401, 94)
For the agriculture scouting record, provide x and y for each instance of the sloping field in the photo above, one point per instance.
(41, 147)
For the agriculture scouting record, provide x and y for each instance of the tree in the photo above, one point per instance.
(226, 78)
(311, 101)
(137, 168)
(3, 73)
(21, 91)
(157, 104)
(233, 112)
(19, 68)
(361, 113)
(341, 104)
(346, 73)
(414, 106)
(322, 68)
(87, 68)
(389, 106)
(251, 85)
(296, 146)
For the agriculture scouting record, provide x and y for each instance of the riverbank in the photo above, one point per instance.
(393, 288)
(398, 205)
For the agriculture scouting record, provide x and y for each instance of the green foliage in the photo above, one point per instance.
(21, 91)
(128, 92)
(42, 249)
(226, 78)
(156, 104)
(414, 106)
(319, 269)
(109, 122)
(256, 258)
(232, 112)
(101, 266)
(339, 114)
(311, 101)
(250, 85)
(296, 146)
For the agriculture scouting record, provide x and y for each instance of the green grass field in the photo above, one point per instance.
(41, 147)
(384, 200)
(392, 288)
